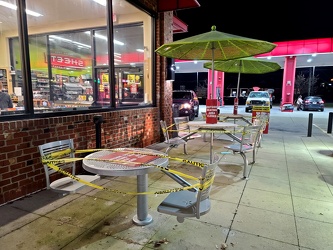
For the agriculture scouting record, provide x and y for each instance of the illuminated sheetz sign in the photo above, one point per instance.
(62, 62)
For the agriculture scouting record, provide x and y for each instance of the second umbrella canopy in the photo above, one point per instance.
(246, 65)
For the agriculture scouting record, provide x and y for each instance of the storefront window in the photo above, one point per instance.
(69, 56)
(8, 67)
(129, 64)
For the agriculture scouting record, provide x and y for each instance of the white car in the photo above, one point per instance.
(257, 98)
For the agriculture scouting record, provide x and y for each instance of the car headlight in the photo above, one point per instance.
(185, 106)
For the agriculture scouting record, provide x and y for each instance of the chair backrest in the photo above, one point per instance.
(165, 131)
(250, 136)
(58, 146)
(182, 125)
(208, 175)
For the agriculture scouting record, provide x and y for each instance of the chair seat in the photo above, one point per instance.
(69, 185)
(181, 199)
(193, 136)
(239, 147)
(176, 140)
(182, 204)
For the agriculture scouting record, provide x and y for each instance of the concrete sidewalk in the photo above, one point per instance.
(286, 203)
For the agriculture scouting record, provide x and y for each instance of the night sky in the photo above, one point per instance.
(263, 20)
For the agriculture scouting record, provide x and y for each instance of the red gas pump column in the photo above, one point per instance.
(220, 88)
(288, 84)
(212, 85)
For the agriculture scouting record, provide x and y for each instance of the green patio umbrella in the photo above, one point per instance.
(214, 46)
(247, 65)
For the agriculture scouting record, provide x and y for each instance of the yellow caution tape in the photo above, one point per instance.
(213, 130)
(53, 158)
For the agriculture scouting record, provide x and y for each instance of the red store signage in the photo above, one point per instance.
(63, 61)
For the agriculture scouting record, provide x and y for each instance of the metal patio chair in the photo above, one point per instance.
(183, 128)
(60, 150)
(172, 142)
(194, 202)
(249, 141)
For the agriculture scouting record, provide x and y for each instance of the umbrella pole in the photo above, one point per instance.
(237, 94)
(238, 80)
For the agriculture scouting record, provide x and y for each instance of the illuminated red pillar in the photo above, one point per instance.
(288, 80)
(218, 84)
(220, 87)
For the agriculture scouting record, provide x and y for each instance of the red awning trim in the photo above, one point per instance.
(178, 25)
(299, 47)
(171, 5)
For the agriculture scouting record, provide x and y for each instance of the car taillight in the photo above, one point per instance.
(307, 101)
(321, 102)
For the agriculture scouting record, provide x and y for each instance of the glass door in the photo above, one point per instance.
(102, 87)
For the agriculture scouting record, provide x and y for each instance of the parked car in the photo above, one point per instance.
(313, 103)
(257, 98)
(187, 103)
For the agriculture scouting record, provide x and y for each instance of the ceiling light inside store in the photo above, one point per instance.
(140, 50)
(117, 55)
(105, 38)
(70, 41)
(101, 2)
(14, 7)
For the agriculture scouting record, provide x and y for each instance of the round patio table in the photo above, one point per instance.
(219, 127)
(128, 168)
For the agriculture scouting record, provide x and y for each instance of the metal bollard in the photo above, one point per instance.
(329, 126)
(98, 120)
(310, 124)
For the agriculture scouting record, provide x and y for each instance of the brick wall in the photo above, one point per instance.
(21, 170)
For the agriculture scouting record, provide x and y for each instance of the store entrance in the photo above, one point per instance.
(129, 86)
(102, 86)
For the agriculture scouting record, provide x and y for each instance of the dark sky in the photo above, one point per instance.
(271, 21)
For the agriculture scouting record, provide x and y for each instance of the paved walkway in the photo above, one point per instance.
(286, 203)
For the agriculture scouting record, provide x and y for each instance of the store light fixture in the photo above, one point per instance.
(14, 7)
(105, 38)
(140, 50)
(70, 41)
(117, 55)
